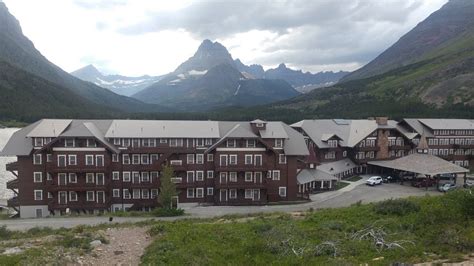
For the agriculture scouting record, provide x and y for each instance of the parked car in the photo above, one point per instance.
(423, 182)
(374, 180)
(387, 179)
(447, 187)
(469, 183)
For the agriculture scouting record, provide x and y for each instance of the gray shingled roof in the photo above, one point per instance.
(19, 144)
(448, 123)
(422, 164)
(49, 128)
(309, 175)
(337, 167)
(295, 143)
(162, 129)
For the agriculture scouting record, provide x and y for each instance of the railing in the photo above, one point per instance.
(244, 167)
(13, 184)
(13, 202)
(177, 180)
(176, 162)
(399, 147)
(13, 166)
(368, 148)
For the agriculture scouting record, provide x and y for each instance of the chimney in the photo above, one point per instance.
(381, 121)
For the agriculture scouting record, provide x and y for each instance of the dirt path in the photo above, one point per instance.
(126, 246)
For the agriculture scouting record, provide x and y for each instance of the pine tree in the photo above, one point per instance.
(167, 188)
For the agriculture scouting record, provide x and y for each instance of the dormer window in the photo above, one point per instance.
(250, 143)
(332, 143)
(278, 143)
(231, 143)
(69, 143)
(38, 142)
(260, 124)
(91, 143)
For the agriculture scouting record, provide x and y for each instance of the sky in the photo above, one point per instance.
(153, 37)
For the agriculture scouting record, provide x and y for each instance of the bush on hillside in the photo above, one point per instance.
(398, 207)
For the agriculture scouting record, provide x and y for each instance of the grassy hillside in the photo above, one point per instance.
(408, 231)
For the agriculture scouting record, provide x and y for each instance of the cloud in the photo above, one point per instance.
(99, 4)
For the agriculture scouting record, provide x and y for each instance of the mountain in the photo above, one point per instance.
(453, 21)
(438, 81)
(304, 81)
(117, 83)
(252, 71)
(19, 52)
(210, 79)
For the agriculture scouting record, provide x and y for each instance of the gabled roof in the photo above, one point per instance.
(448, 123)
(258, 121)
(274, 130)
(19, 144)
(337, 167)
(162, 129)
(426, 164)
(49, 128)
(295, 144)
(423, 144)
(309, 175)
(326, 137)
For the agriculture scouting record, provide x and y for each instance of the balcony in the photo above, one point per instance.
(177, 180)
(13, 166)
(13, 184)
(80, 204)
(52, 185)
(161, 150)
(242, 168)
(13, 202)
(77, 169)
(368, 148)
(242, 184)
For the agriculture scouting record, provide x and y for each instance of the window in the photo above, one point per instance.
(125, 142)
(136, 177)
(115, 175)
(125, 158)
(199, 158)
(154, 193)
(99, 160)
(72, 159)
(115, 158)
(126, 194)
(126, 176)
(72, 178)
(190, 177)
(231, 143)
(38, 177)
(190, 159)
(199, 192)
(210, 174)
(145, 194)
(37, 159)
(248, 159)
(332, 143)
(90, 178)
(199, 175)
(258, 177)
(145, 159)
(190, 193)
(176, 142)
(49, 157)
(276, 175)
(72, 196)
(135, 143)
(344, 154)
(248, 177)
(163, 140)
(69, 142)
(89, 159)
(145, 177)
(100, 180)
(136, 159)
(38, 194)
(282, 191)
(330, 155)
(50, 195)
(116, 141)
(258, 160)
(90, 196)
(233, 177)
(154, 158)
(154, 176)
(116, 193)
(233, 194)
(250, 143)
(210, 157)
(249, 193)
(223, 160)
(233, 159)
(136, 193)
(210, 191)
(38, 142)
(278, 143)
(91, 143)
(282, 159)
(61, 160)
(208, 141)
(49, 177)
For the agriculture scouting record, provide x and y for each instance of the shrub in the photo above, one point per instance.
(398, 207)
(157, 229)
(5, 233)
(167, 212)
(467, 203)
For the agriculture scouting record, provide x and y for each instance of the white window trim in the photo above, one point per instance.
(114, 191)
(190, 195)
(70, 180)
(280, 189)
(115, 175)
(199, 190)
(210, 174)
(65, 159)
(86, 157)
(69, 157)
(41, 194)
(87, 196)
(230, 193)
(273, 174)
(40, 177)
(73, 193)
(210, 191)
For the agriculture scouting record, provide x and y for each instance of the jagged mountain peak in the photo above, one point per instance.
(89, 71)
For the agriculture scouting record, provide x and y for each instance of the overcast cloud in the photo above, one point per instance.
(152, 37)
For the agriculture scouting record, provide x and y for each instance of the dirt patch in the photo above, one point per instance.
(125, 247)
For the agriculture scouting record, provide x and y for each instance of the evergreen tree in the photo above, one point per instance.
(167, 188)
